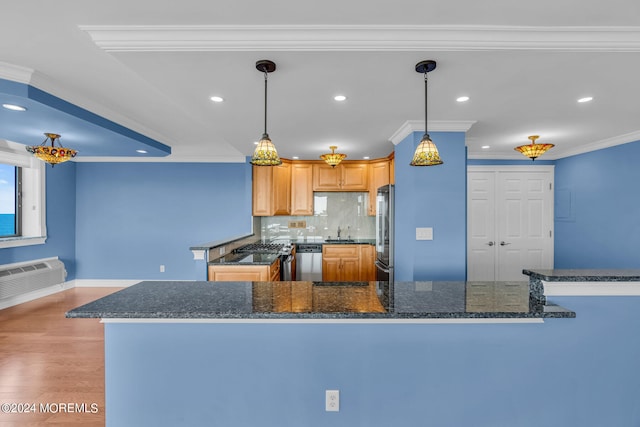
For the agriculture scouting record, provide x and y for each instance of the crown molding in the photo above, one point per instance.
(15, 73)
(411, 126)
(172, 158)
(145, 38)
(598, 145)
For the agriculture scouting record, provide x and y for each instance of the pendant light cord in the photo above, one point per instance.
(426, 132)
(265, 102)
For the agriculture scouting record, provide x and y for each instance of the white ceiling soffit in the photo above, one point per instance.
(140, 38)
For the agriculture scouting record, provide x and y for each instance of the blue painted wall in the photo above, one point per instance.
(565, 372)
(133, 217)
(61, 220)
(435, 197)
(597, 212)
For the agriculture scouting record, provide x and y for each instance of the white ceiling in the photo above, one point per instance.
(151, 66)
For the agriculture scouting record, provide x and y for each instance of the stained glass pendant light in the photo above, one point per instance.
(426, 153)
(533, 150)
(52, 154)
(265, 153)
(333, 159)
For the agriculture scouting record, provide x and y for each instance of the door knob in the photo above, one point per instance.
(490, 243)
(504, 243)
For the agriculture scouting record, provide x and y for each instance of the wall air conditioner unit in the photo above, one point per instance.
(24, 277)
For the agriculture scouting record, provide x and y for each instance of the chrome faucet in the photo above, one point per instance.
(339, 232)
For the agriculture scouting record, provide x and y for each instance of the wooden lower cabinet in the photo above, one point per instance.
(245, 273)
(347, 263)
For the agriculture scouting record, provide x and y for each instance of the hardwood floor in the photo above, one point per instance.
(47, 359)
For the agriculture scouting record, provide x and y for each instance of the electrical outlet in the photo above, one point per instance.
(161, 268)
(332, 400)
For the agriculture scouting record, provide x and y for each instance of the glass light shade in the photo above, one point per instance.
(426, 153)
(534, 150)
(333, 159)
(265, 153)
(52, 154)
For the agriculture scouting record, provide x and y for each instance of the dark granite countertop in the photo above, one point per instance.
(213, 244)
(320, 300)
(584, 275)
(245, 259)
(350, 242)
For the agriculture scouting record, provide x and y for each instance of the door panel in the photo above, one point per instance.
(481, 239)
(520, 222)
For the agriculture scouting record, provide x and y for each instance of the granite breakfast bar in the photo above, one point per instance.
(183, 353)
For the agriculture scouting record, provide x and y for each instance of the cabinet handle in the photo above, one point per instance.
(504, 243)
(490, 243)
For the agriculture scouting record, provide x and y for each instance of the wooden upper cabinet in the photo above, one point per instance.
(301, 189)
(262, 191)
(344, 177)
(272, 190)
(282, 189)
(379, 175)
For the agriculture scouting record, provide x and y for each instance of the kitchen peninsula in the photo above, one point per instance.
(184, 353)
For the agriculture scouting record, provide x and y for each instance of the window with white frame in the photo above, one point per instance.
(22, 197)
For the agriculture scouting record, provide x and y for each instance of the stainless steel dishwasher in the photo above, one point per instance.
(309, 262)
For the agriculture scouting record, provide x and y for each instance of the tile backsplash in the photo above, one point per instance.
(346, 210)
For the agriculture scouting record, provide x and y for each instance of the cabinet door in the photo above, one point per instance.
(331, 270)
(367, 266)
(262, 195)
(340, 263)
(378, 176)
(355, 176)
(350, 270)
(301, 189)
(281, 189)
(326, 178)
(274, 271)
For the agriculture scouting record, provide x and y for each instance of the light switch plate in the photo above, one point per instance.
(424, 233)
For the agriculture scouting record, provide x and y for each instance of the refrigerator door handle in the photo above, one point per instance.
(382, 267)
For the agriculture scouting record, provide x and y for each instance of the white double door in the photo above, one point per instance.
(509, 221)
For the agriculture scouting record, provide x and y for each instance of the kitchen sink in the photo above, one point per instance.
(339, 241)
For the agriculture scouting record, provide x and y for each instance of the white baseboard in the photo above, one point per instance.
(591, 288)
(104, 283)
(30, 296)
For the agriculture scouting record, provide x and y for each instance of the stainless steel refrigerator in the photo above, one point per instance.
(384, 233)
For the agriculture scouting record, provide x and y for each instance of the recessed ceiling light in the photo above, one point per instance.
(14, 107)
(295, 157)
(141, 151)
(462, 99)
(255, 142)
(366, 157)
(485, 147)
(217, 99)
(586, 99)
(340, 98)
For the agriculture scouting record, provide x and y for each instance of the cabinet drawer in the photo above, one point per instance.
(340, 251)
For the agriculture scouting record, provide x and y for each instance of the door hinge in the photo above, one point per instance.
(550, 233)
(550, 186)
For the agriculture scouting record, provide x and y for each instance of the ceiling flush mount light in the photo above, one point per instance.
(265, 153)
(426, 153)
(50, 153)
(333, 159)
(14, 107)
(533, 150)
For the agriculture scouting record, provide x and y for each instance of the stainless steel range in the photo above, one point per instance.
(281, 249)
